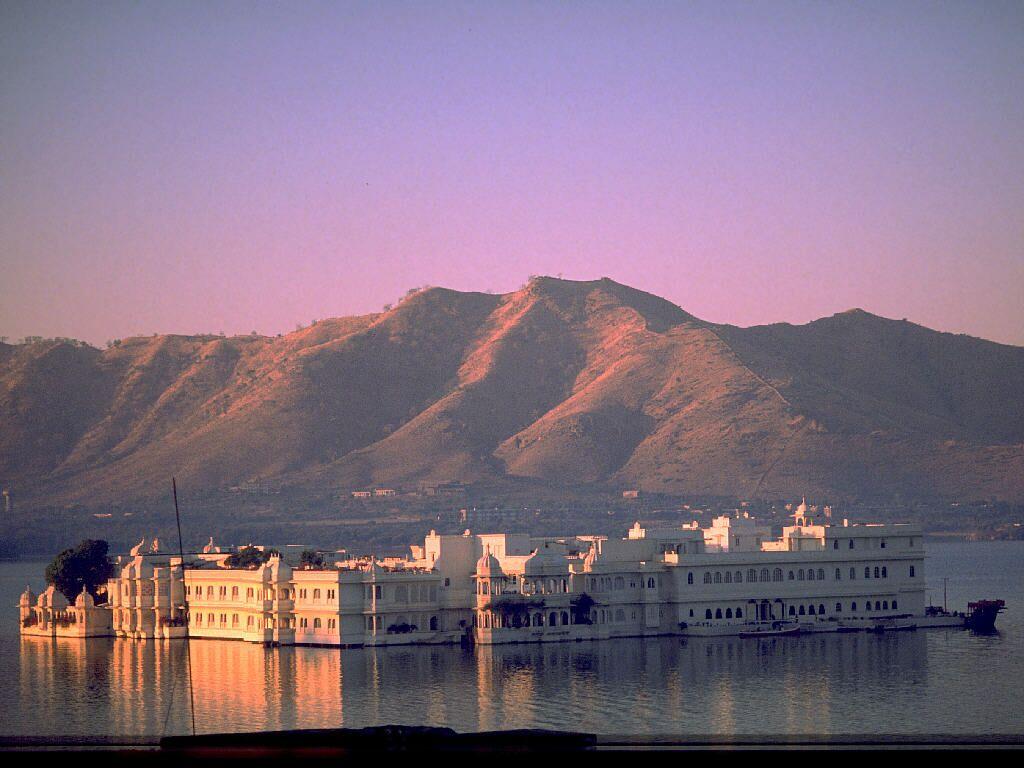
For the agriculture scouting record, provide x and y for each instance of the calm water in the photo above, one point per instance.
(924, 682)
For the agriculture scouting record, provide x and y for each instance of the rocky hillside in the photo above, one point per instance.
(569, 382)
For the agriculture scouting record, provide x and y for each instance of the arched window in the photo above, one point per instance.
(777, 574)
(878, 605)
(728, 613)
(810, 574)
(810, 610)
(867, 605)
(878, 573)
(853, 606)
(800, 575)
(853, 574)
(738, 578)
(851, 543)
(885, 572)
(792, 576)
(718, 613)
(718, 577)
(689, 578)
(885, 605)
(565, 618)
(553, 619)
(316, 623)
(650, 583)
(835, 544)
(433, 623)
(839, 575)
(751, 575)
(728, 577)
(839, 607)
(707, 578)
(821, 609)
(764, 574)
(792, 611)
(867, 572)
(821, 574)
(739, 613)
(894, 606)
(707, 614)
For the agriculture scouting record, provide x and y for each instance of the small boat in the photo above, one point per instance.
(981, 615)
(771, 629)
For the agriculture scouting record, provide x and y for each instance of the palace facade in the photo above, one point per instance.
(504, 587)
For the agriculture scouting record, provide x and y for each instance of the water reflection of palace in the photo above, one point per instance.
(656, 686)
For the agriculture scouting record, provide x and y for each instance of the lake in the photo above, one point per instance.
(928, 682)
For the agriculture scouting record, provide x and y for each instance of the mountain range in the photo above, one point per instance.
(572, 383)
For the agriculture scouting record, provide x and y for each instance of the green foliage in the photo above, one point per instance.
(83, 567)
(312, 560)
(248, 557)
(581, 608)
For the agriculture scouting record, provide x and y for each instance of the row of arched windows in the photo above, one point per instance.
(250, 593)
(777, 574)
(609, 583)
(809, 609)
(489, 620)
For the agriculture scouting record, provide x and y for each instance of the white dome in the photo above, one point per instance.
(488, 565)
(53, 598)
(545, 561)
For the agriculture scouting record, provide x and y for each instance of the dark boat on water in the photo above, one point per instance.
(981, 615)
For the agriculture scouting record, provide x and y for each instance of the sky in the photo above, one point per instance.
(229, 167)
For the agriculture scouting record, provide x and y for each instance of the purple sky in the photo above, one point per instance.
(206, 167)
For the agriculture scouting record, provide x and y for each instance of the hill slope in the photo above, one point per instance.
(569, 382)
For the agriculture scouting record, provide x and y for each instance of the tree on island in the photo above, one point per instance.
(581, 609)
(83, 567)
(312, 560)
(249, 557)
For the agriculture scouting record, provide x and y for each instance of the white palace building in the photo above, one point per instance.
(730, 578)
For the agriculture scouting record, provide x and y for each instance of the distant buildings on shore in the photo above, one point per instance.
(454, 489)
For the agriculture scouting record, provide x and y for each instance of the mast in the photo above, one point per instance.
(188, 651)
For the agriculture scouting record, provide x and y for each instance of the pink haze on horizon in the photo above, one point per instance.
(235, 167)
